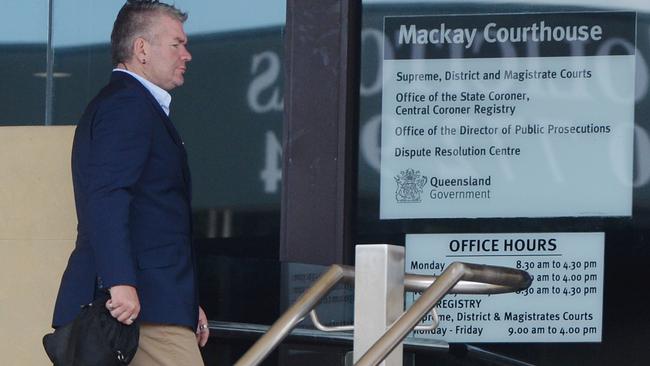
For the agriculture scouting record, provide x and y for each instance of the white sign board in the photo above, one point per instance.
(563, 304)
(482, 135)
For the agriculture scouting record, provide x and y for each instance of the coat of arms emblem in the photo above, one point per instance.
(409, 185)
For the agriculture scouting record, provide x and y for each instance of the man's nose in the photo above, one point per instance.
(187, 56)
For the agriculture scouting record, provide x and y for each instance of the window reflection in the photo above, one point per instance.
(23, 46)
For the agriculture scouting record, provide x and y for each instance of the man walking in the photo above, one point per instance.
(133, 191)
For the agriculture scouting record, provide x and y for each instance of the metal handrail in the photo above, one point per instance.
(500, 276)
(307, 301)
(435, 320)
(459, 278)
(231, 330)
(413, 282)
(228, 330)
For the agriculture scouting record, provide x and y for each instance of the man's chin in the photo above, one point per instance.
(174, 84)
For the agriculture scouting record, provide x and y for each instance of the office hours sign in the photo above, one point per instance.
(563, 304)
(467, 132)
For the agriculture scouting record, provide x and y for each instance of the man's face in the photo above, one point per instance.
(168, 55)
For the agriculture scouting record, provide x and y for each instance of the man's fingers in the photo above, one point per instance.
(116, 313)
(124, 317)
(131, 309)
(124, 304)
(202, 330)
(124, 313)
(203, 337)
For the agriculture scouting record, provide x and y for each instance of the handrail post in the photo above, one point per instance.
(378, 296)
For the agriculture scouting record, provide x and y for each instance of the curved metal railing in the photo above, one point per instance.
(497, 276)
(458, 278)
(307, 301)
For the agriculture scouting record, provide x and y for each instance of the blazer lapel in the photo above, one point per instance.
(179, 142)
(169, 126)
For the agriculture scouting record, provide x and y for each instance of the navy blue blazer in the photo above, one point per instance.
(132, 194)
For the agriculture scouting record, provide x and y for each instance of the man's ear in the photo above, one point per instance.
(140, 50)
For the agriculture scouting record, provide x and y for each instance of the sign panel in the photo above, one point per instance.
(563, 304)
(481, 134)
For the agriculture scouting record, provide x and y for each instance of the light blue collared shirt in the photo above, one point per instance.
(162, 96)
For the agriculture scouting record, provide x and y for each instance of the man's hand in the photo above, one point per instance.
(124, 304)
(202, 330)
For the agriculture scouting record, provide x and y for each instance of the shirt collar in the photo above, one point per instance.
(162, 96)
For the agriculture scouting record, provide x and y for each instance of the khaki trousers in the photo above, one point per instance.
(167, 345)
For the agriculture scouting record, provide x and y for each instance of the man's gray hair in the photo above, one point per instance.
(135, 20)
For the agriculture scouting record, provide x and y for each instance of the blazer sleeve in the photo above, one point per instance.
(121, 135)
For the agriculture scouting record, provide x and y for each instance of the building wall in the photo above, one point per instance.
(37, 232)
